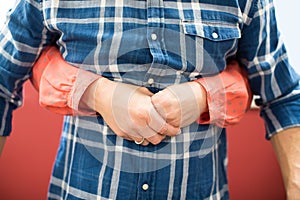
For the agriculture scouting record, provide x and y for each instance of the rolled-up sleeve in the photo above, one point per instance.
(61, 85)
(262, 52)
(21, 40)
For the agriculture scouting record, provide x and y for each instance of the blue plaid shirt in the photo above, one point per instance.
(151, 43)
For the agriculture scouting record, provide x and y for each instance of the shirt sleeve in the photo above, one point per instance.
(21, 40)
(61, 85)
(262, 51)
(228, 96)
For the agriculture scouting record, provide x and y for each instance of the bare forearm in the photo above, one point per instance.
(287, 148)
(2, 143)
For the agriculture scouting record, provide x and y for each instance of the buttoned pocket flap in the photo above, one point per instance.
(212, 31)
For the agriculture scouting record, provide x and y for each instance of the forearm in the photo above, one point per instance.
(79, 89)
(287, 148)
(2, 143)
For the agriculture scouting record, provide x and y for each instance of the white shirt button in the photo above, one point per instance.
(215, 35)
(145, 186)
(153, 36)
(150, 81)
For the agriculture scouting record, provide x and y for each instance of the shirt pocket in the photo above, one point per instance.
(212, 31)
(216, 42)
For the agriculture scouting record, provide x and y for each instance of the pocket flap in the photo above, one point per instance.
(211, 31)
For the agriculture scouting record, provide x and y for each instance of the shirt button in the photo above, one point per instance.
(153, 36)
(145, 187)
(150, 81)
(215, 35)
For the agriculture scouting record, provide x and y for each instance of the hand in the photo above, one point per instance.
(128, 111)
(181, 104)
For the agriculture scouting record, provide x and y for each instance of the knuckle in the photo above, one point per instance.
(174, 132)
(139, 114)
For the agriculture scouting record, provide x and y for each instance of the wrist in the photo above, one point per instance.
(89, 97)
(200, 95)
(101, 93)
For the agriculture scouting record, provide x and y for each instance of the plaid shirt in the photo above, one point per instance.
(152, 43)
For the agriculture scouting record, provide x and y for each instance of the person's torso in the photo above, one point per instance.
(136, 41)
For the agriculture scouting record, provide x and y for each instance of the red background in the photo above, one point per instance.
(26, 162)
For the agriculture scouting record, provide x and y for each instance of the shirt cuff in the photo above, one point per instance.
(83, 80)
(281, 115)
(216, 103)
(228, 96)
(60, 84)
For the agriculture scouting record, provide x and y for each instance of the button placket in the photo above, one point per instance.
(150, 81)
(153, 36)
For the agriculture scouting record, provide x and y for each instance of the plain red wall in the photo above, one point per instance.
(26, 162)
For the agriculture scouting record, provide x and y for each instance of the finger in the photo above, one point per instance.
(145, 143)
(150, 135)
(133, 136)
(161, 103)
(163, 130)
(156, 121)
(130, 137)
(170, 130)
(139, 141)
(126, 137)
(156, 139)
(159, 125)
(138, 138)
(168, 107)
